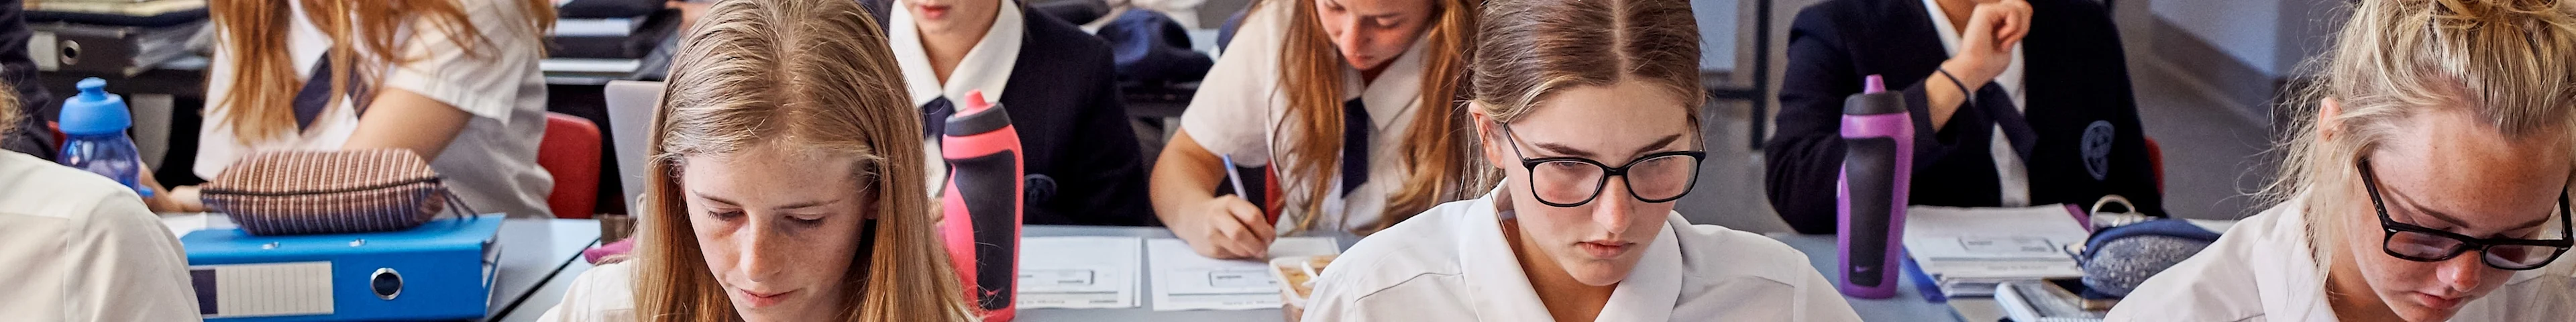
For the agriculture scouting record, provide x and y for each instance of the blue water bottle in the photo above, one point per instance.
(96, 123)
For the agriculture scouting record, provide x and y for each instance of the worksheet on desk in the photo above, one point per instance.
(1993, 243)
(1183, 280)
(1079, 272)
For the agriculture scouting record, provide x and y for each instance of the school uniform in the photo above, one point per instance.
(491, 163)
(2261, 271)
(605, 293)
(2058, 126)
(1452, 264)
(1083, 163)
(1241, 110)
(80, 247)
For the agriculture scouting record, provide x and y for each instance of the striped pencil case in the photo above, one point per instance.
(330, 192)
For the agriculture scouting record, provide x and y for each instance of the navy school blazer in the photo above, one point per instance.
(1073, 125)
(2080, 106)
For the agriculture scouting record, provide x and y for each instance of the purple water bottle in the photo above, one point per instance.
(1878, 162)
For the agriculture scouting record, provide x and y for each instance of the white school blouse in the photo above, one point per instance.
(605, 293)
(492, 163)
(2260, 271)
(1241, 105)
(987, 68)
(75, 246)
(1451, 263)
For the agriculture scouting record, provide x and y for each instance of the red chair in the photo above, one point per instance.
(571, 153)
(57, 129)
(2156, 161)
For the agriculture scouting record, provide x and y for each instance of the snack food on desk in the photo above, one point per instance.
(1297, 280)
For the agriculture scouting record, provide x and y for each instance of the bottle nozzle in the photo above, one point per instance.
(1873, 85)
(92, 87)
(975, 102)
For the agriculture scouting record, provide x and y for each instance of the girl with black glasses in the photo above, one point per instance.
(1590, 109)
(2429, 183)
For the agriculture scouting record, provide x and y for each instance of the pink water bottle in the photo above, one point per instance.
(982, 203)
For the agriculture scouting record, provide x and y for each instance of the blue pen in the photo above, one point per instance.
(1234, 176)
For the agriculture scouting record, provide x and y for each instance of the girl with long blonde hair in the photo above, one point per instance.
(1352, 104)
(788, 182)
(2428, 182)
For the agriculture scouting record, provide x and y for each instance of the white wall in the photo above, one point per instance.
(1717, 31)
(2247, 30)
(2273, 36)
(2307, 26)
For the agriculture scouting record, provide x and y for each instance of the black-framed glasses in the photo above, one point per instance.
(2417, 243)
(1570, 181)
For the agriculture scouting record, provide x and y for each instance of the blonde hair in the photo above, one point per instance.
(810, 74)
(2505, 61)
(1532, 49)
(1436, 149)
(9, 111)
(264, 82)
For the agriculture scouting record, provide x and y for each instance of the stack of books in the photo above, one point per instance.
(593, 29)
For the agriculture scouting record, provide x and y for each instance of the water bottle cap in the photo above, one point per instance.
(94, 111)
(975, 102)
(1873, 84)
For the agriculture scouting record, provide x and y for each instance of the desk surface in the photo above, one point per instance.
(534, 254)
(1144, 291)
(1909, 304)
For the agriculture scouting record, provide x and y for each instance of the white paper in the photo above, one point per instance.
(181, 224)
(1982, 245)
(1183, 280)
(1078, 272)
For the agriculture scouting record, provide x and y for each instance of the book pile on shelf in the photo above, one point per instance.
(116, 37)
(610, 29)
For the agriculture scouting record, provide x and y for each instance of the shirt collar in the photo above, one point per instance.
(986, 67)
(1500, 289)
(1396, 90)
(1655, 285)
(2291, 286)
(1941, 26)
